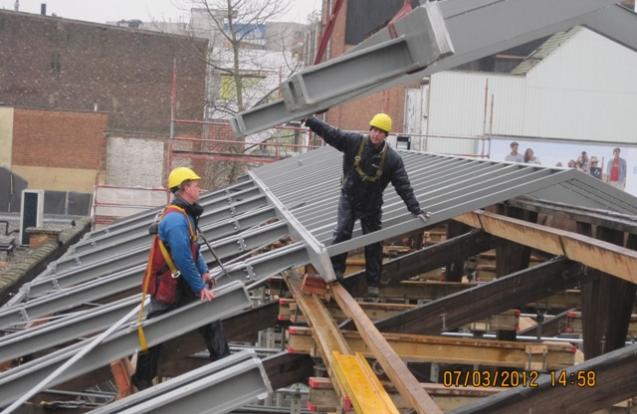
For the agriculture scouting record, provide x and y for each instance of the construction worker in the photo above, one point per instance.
(369, 164)
(180, 274)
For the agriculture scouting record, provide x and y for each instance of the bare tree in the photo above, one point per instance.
(235, 29)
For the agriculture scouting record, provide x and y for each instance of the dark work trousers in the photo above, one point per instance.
(347, 216)
(147, 362)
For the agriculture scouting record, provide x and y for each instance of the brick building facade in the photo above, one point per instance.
(55, 63)
(54, 150)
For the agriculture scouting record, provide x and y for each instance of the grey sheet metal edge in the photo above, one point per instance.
(218, 392)
(231, 299)
(464, 19)
(315, 249)
(177, 382)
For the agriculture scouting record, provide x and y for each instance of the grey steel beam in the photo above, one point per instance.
(617, 23)
(224, 248)
(216, 387)
(231, 299)
(466, 21)
(419, 39)
(315, 249)
(67, 329)
(70, 298)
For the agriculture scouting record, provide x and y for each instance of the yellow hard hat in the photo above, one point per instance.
(381, 121)
(179, 175)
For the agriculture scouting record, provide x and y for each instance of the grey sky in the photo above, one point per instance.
(101, 11)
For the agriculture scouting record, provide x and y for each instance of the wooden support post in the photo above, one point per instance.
(511, 257)
(479, 302)
(393, 366)
(607, 303)
(455, 268)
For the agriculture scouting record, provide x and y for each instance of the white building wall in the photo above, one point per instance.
(585, 90)
(457, 108)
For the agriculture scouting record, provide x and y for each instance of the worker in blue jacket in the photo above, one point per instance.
(369, 165)
(177, 247)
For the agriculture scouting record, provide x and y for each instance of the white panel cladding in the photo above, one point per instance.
(456, 114)
(585, 90)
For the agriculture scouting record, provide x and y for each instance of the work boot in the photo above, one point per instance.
(141, 383)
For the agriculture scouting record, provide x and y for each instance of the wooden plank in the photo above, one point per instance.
(482, 301)
(394, 367)
(617, 261)
(614, 381)
(448, 350)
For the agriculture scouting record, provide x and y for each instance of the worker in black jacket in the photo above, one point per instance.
(369, 164)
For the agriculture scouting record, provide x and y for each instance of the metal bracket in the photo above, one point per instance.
(533, 351)
(251, 275)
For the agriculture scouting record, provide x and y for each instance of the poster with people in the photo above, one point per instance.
(611, 163)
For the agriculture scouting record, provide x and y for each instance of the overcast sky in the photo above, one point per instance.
(101, 11)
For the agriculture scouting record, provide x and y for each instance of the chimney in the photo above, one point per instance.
(43, 9)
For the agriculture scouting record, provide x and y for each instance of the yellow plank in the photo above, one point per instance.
(365, 391)
(394, 367)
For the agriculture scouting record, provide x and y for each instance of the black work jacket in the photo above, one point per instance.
(367, 196)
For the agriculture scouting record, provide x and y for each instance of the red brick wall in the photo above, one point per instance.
(357, 114)
(49, 62)
(58, 139)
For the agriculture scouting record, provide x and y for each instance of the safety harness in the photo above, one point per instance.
(357, 162)
(160, 278)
